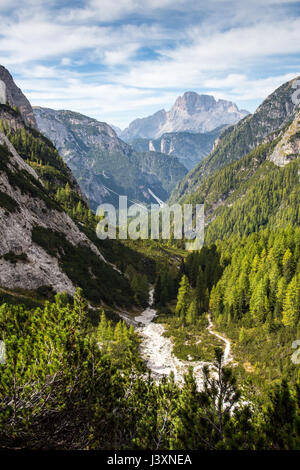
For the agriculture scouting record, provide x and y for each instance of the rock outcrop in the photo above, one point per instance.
(13, 96)
(288, 148)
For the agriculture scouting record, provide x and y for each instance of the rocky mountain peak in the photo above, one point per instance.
(193, 103)
(12, 95)
(191, 112)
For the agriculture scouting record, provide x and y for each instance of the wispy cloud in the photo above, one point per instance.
(120, 59)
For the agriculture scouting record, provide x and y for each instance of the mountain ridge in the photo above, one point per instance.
(99, 159)
(238, 140)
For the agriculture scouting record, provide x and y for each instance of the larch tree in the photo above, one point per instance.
(183, 297)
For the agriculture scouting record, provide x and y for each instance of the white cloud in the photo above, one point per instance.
(215, 53)
(39, 38)
(247, 89)
(119, 104)
(107, 11)
(90, 58)
(106, 102)
(65, 61)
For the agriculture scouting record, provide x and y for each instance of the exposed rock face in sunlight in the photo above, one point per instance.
(288, 148)
(12, 95)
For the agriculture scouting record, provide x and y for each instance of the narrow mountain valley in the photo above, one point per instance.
(140, 344)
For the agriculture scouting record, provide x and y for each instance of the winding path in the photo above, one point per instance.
(157, 350)
(227, 357)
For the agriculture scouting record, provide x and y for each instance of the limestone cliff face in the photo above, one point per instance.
(288, 148)
(23, 206)
(201, 113)
(12, 95)
(2, 92)
(190, 148)
(190, 113)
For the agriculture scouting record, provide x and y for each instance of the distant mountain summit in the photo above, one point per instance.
(190, 113)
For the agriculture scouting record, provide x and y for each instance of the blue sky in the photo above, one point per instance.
(117, 60)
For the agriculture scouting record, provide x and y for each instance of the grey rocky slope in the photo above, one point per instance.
(21, 209)
(191, 112)
(41, 247)
(189, 148)
(103, 164)
(238, 140)
(13, 96)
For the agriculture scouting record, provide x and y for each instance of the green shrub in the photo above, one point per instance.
(14, 258)
(7, 202)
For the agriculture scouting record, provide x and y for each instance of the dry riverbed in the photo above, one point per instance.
(157, 349)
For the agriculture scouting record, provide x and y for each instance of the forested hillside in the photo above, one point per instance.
(251, 287)
(257, 301)
(260, 189)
